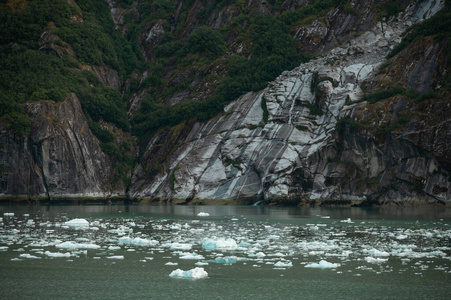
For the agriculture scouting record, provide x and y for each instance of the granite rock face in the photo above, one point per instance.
(289, 141)
(61, 157)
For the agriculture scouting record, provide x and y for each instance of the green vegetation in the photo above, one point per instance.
(438, 25)
(28, 73)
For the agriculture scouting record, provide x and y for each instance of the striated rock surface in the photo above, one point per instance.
(290, 140)
(61, 157)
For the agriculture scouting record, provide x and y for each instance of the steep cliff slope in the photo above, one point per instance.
(303, 137)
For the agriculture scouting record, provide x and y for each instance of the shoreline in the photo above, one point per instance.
(199, 202)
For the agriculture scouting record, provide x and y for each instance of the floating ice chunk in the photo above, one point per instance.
(375, 252)
(201, 263)
(258, 254)
(195, 273)
(57, 254)
(77, 223)
(16, 259)
(171, 264)
(114, 248)
(373, 260)
(225, 260)
(282, 264)
(8, 214)
(180, 246)
(348, 220)
(116, 257)
(219, 244)
(121, 230)
(4, 248)
(192, 256)
(73, 246)
(26, 255)
(203, 214)
(137, 242)
(322, 265)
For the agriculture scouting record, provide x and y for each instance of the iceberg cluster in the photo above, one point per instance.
(323, 243)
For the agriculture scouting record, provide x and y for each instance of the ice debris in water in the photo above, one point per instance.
(195, 273)
(116, 257)
(348, 220)
(193, 256)
(283, 264)
(57, 254)
(203, 214)
(77, 223)
(180, 246)
(72, 246)
(137, 242)
(8, 214)
(373, 260)
(322, 265)
(219, 244)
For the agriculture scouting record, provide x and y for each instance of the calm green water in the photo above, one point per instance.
(377, 253)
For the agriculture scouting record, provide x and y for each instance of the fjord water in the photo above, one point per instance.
(128, 252)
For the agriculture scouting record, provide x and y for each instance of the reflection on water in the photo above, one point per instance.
(129, 251)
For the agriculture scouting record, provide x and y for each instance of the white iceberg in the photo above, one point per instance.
(26, 255)
(195, 273)
(137, 242)
(180, 246)
(219, 244)
(73, 246)
(77, 223)
(375, 252)
(57, 254)
(193, 256)
(323, 265)
(283, 264)
(116, 257)
(203, 214)
(373, 260)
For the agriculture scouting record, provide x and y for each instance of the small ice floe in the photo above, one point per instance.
(180, 246)
(195, 273)
(219, 244)
(258, 254)
(375, 252)
(26, 255)
(72, 246)
(322, 265)
(121, 230)
(115, 257)
(112, 248)
(203, 214)
(171, 264)
(201, 263)
(7, 214)
(4, 248)
(16, 259)
(77, 223)
(348, 220)
(193, 256)
(224, 260)
(57, 254)
(283, 264)
(137, 242)
(373, 260)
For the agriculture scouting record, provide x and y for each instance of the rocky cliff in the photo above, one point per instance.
(348, 124)
(60, 158)
(298, 138)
